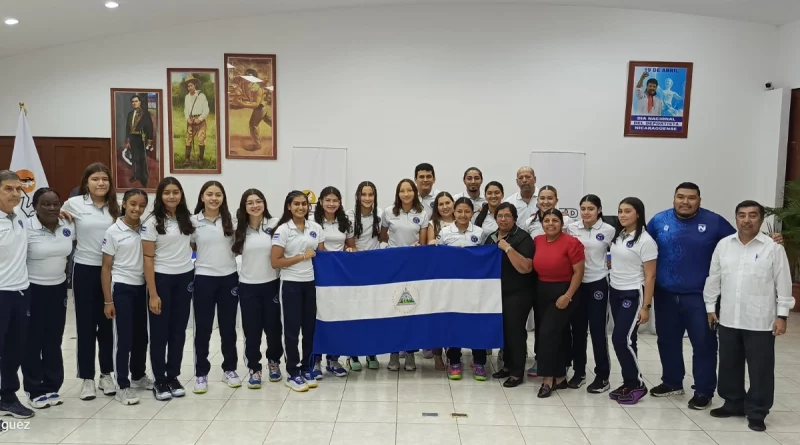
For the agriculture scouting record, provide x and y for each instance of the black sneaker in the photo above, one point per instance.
(756, 425)
(615, 394)
(176, 389)
(663, 390)
(699, 402)
(599, 385)
(576, 381)
(724, 413)
(15, 409)
(161, 392)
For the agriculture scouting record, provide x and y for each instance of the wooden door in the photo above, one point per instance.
(63, 159)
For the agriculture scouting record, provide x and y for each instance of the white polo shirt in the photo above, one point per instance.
(173, 252)
(125, 245)
(451, 236)
(91, 223)
(256, 253)
(295, 242)
(14, 248)
(534, 227)
(404, 228)
(596, 240)
(489, 225)
(477, 203)
(214, 255)
(627, 260)
(427, 201)
(366, 241)
(48, 251)
(524, 209)
(334, 238)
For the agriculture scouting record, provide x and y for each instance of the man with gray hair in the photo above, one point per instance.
(525, 199)
(15, 297)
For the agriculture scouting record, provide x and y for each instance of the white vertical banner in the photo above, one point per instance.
(314, 168)
(564, 171)
(26, 163)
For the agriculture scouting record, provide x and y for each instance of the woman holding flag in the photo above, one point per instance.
(294, 244)
(404, 224)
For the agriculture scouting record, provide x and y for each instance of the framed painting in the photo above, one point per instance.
(136, 138)
(250, 117)
(659, 95)
(193, 121)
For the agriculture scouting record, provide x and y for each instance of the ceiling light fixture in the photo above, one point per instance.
(11, 21)
(112, 5)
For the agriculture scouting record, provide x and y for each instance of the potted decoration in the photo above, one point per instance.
(789, 218)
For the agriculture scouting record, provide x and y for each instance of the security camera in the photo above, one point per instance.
(768, 86)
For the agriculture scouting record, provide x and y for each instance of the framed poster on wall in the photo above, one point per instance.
(251, 111)
(136, 138)
(658, 99)
(193, 121)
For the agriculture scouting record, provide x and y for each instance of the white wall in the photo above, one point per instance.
(451, 85)
(788, 61)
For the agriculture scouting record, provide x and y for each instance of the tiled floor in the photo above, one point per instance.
(408, 408)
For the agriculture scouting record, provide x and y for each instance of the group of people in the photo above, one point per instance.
(134, 283)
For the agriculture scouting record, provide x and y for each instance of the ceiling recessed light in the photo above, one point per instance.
(11, 21)
(112, 5)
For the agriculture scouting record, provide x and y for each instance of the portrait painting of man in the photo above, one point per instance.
(250, 118)
(193, 122)
(136, 138)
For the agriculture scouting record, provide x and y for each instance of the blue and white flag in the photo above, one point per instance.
(405, 298)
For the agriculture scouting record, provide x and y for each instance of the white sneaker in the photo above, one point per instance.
(296, 383)
(54, 398)
(201, 385)
(107, 385)
(143, 383)
(394, 362)
(232, 379)
(126, 396)
(40, 402)
(88, 391)
(410, 364)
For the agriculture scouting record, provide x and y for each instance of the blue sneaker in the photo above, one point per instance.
(296, 383)
(274, 371)
(336, 368)
(255, 380)
(316, 372)
(310, 380)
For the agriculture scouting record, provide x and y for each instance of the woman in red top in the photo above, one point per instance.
(559, 261)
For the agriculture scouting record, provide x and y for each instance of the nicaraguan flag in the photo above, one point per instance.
(405, 298)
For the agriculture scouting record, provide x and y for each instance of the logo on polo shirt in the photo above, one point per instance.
(276, 237)
(600, 237)
(143, 229)
(629, 244)
(67, 233)
(190, 287)
(474, 239)
(701, 228)
(666, 228)
(416, 220)
(268, 231)
(598, 295)
(313, 234)
(20, 223)
(105, 241)
(404, 299)
(627, 304)
(235, 291)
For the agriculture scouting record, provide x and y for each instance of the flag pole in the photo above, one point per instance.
(22, 107)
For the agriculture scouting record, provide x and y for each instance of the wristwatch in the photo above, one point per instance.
(783, 317)
(648, 306)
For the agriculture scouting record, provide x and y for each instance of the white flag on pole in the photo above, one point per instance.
(26, 163)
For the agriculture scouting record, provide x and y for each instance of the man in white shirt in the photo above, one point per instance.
(525, 199)
(473, 180)
(425, 177)
(647, 102)
(15, 297)
(751, 274)
(195, 109)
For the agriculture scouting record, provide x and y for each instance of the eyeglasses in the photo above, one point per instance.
(505, 216)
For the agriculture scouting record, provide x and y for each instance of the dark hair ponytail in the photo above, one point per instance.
(358, 227)
(595, 201)
(127, 195)
(485, 209)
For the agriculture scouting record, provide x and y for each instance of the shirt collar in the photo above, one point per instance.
(122, 226)
(452, 227)
(466, 195)
(599, 223)
(760, 237)
(6, 215)
(87, 199)
(293, 226)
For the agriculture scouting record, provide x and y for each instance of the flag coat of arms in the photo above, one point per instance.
(405, 298)
(26, 163)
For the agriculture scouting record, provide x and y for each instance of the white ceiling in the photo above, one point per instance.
(45, 23)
